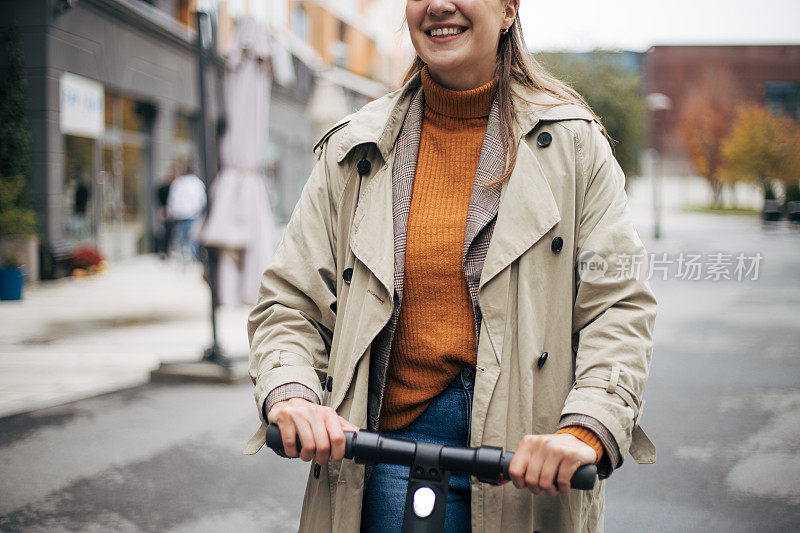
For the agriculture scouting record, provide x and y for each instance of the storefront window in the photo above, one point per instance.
(182, 127)
(123, 181)
(79, 188)
(111, 104)
(182, 142)
(132, 180)
(132, 119)
(106, 182)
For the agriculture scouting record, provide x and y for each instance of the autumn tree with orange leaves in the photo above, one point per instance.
(763, 147)
(705, 121)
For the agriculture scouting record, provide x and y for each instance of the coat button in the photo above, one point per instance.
(347, 275)
(544, 139)
(329, 384)
(364, 166)
(542, 360)
(316, 471)
(557, 244)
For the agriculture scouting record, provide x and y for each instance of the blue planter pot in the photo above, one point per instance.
(11, 280)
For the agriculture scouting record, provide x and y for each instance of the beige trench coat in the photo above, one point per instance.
(597, 331)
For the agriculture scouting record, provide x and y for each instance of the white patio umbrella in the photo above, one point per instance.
(240, 222)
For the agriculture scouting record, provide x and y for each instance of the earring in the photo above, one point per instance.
(503, 31)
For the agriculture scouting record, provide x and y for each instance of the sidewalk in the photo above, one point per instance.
(74, 338)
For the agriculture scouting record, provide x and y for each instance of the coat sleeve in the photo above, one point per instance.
(291, 327)
(614, 311)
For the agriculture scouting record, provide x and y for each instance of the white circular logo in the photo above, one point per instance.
(424, 501)
(591, 266)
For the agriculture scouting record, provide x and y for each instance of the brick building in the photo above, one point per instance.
(769, 75)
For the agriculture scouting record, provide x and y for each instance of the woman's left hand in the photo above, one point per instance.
(541, 460)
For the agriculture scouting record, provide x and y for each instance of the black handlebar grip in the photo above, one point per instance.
(583, 478)
(275, 441)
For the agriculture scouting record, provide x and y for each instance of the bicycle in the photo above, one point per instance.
(430, 467)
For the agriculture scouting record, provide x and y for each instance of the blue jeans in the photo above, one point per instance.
(385, 493)
(184, 243)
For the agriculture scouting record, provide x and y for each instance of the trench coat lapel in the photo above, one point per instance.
(371, 236)
(527, 211)
(527, 207)
(374, 237)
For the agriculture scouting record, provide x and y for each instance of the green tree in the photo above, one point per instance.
(762, 147)
(613, 93)
(16, 218)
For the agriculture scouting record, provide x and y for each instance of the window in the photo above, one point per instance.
(783, 97)
(339, 49)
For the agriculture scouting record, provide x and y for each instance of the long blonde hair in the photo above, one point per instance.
(515, 62)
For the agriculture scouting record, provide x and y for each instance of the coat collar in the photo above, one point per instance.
(379, 121)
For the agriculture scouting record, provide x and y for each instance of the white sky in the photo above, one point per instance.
(582, 25)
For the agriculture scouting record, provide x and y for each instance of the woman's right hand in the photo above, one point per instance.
(320, 428)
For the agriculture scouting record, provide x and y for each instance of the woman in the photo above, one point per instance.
(453, 272)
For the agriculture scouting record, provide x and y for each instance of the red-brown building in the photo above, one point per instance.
(769, 75)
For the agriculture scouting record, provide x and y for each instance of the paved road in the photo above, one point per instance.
(723, 406)
(723, 398)
(154, 458)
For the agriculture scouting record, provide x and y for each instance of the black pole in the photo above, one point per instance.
(214, 352)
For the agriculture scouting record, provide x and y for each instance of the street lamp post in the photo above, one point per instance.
(213, 353)
(657, 103)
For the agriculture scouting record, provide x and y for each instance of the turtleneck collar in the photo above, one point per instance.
(472, 103)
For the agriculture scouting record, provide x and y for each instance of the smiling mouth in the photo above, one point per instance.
(445, 32)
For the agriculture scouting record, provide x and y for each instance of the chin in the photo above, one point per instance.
(446, 64)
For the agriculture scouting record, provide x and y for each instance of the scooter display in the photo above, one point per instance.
(430, 466)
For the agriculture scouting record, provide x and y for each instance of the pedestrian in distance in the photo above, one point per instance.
(430, 285)
(186, 201)
(164, 235)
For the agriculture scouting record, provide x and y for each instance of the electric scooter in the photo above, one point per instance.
(430, 467)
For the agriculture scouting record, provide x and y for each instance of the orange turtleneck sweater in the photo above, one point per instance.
(435, 334)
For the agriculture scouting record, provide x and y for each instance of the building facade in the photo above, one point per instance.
(113, 103)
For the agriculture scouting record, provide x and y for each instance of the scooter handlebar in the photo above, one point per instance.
(373, 448)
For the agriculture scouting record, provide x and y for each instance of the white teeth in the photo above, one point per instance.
(441, 32)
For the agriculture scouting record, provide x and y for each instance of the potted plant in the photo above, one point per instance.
(17, 224)
(12, 277)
